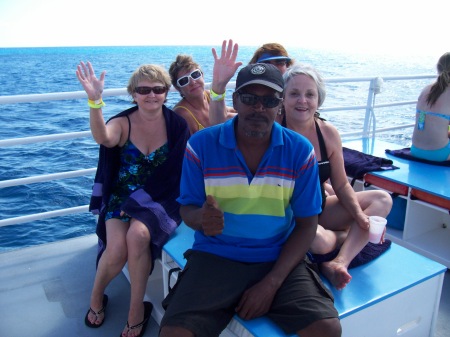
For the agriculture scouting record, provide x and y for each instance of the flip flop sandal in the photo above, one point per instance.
(148, 307)
(102, 310)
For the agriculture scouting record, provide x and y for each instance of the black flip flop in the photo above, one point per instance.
(148, 307)
(102, 310)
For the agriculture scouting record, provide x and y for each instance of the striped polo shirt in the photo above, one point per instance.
(259, 210)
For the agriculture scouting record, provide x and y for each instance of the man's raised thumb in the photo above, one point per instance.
(210, 201)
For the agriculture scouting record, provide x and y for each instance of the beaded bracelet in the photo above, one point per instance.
(97, 104)
(216, 97)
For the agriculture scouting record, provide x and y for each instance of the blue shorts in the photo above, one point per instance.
(433, 155)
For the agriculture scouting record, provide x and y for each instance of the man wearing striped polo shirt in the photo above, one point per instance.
(250, 190)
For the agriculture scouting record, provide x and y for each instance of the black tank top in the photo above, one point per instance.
(324, 163)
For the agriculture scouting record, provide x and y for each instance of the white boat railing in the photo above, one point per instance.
(375, 84)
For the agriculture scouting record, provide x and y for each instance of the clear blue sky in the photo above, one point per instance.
(382, 26)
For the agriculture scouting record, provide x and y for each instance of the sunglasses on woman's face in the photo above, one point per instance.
(159, 90)
(184, 81)
(266, 101)
(276, 62)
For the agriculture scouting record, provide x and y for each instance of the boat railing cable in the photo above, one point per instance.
(375, 84)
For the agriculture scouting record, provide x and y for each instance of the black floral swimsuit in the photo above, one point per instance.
(135, 169)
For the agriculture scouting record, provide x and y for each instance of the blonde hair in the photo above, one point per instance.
(148, 72)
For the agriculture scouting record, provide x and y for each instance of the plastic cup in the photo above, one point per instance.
(377, 225)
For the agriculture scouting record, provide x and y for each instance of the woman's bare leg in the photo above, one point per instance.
(110, 264)
(139, 266)
(335, 217)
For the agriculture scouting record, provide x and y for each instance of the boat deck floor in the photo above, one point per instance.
(45, 290)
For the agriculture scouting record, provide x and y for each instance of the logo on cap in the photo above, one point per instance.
(258, 70)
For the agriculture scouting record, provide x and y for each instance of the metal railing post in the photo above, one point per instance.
(374, 89)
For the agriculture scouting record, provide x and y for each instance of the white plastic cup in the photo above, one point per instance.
(377, 225)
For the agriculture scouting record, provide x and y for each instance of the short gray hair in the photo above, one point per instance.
(305, 69)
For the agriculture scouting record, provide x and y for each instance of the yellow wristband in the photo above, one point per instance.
(216, 97)
(96, 104)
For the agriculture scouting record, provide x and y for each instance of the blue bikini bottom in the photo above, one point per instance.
(433, 155)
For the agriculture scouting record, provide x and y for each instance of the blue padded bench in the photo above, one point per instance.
(420, 217)
(396, 294)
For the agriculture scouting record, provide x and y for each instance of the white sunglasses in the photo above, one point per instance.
(184, 81)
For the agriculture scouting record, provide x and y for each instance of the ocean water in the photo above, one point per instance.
(44, 70)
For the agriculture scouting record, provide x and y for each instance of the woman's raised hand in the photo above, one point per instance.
(91, 84)
(225, 67)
